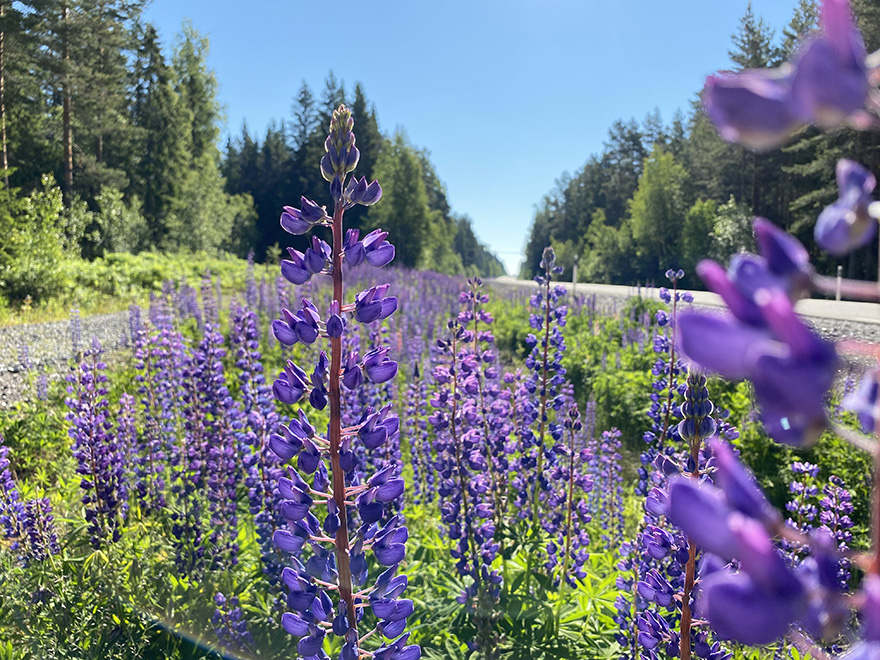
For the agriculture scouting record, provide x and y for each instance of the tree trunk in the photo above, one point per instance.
(67, 137)
(4, 159)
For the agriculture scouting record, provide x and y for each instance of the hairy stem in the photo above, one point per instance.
(542, 424)
(690, 570)
(335, 433)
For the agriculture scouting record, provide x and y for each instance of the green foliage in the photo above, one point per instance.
(732, 231)
(789, 186)
(657, 212)
(404, 211)
(32, 245)
(696, 234)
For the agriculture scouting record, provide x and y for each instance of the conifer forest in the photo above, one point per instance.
(267, 395)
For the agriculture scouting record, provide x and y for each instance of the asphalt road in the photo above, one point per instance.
(812, 308)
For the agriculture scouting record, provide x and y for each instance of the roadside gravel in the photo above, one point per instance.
(49, 344)
(49, 348)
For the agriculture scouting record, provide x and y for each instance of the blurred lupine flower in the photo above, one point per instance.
(762, 339)
(38, 525)
(851, 221)
(42, 386)
(863, 401)
(100, 459)
(544, 383)
(760, 601)
(835, 516)
(262, 422)
(830, 83)
(826, 84)
(568, 515)
(210, 310)
(229, 626)
(134, 321)
(655, 570)
(24, 357)
(11, 506)
(75, 332)
(250, 282)
(341, 568)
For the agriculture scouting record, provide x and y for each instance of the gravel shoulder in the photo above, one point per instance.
(49, 347)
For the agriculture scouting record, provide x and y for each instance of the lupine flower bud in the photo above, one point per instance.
(849, 223)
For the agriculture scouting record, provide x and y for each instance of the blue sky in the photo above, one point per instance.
(506, 95)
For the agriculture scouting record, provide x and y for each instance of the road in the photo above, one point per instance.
(812, 308)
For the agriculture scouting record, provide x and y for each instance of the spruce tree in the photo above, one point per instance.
(163, 139)
(753, 43)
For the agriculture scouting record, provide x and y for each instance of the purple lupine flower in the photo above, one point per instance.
(42, 386)
(663, 411)
(762, 338)
(606, 496)
(486, 405)
(75, 332)
(569, 515)
(465, 490)
(825, 84)
(135, 324)
(830, 84)
(415, 427)
(157, 375)
(24, 357)
(11, 506)
(863, 401)
(658, 572)
(850, 222)
(100, 459)
(230, 626)
(38, 525)
(546, 377)
(759, 601)
(835, 516)
(250, 282)
(261, 464)
(210, 304)
(127, 436)
(206, 457)
(341, 568)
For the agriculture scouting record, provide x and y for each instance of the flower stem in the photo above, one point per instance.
(335, 433)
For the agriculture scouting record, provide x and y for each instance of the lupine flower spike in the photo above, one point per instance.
(327, 581)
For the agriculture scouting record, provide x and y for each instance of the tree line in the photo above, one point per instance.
(666, 195)
(280, 168)
(107, 145)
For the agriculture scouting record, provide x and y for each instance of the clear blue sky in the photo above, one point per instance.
(506, 95)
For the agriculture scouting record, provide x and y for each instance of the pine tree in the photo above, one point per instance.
(103, 133)
(804, 21)
(163, 136)
(333, 97)
(200, 218)
(305, 117)
(753, 43)
(404, 211)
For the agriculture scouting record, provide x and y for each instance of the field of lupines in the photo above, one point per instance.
(390, 464)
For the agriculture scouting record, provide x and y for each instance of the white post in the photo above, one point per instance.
(839, 282)
(574, 276)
